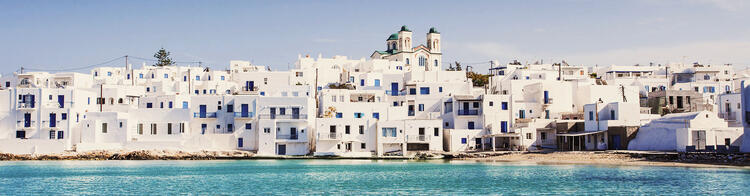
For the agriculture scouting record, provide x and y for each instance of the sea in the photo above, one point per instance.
(360, 177)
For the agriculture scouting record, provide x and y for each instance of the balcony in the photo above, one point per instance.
(729, 116)
(417, 138)
(244, 114)
(248, 90)
(204, 115)
(468, 112)
(329, 136)
(287, 136)
(22, 105)
(395, 93)
(286, 116)
(23, 124)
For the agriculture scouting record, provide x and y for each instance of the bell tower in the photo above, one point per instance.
(433, 40)
(404, 39)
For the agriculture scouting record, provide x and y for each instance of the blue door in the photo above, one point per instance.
(27, 120)
(61, 100)
(394, 89)
(546, 97)
(202, 111)
(471, 125)
(33, 101)
(295, 113)
(615, 142)
(522, 114)
(240, 143)
(250, 85)
(282, 149)
(362, 82)
(272, 112)
(504, 126)
(244, 110)
(203, 128)
(52, 120)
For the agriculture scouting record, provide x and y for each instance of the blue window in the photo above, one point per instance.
(504, 105)
(521, 114)
(463, 140)
(362, 82)
(262, 93)
(204, 91)
(546, 114)
(377, 82)
(440, 89)
(407, 61)
(612, 115)
(166, 75)
(152, 75)
(170, 104)
(222, 77)
(184, 78)
(198, 78)
(64, 116)
(60, 134)
(647, 88)
(424, 90)
(591, 115)
(351, 78)
(140, 75)
(339, 115)
(376, 115)
(148, 89)
(96, 74)
(161, 105)
(248, 126)
(184, 105)
(128, 76)
(209, 78)
(358, 115)
(421, 107)
(239, 142)
(109, 73)
(197, 92)
(503, 126)
(412, 91)
(395, 103)
(527, 77)
(89, 100)
(149, 105)
(706, 77)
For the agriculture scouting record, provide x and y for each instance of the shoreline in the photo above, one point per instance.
(594, 158)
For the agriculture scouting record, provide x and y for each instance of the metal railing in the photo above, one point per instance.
(417, 138)
(329, 136)
(285, 116)
(25, 105)
(244, 114)
(468, 112)
(287, 136)
(204, 115)
(394, 93)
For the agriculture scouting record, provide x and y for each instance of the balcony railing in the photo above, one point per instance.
(287, 136)
(329, 136)
(417, 138)
(285, 116)
(395, 93)
(729, 116)
(468, 112)
(25, 105)
(204, 115)
(244, 114)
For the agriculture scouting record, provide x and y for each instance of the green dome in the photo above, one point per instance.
(393, 37)
(403, 28)
(432, 30)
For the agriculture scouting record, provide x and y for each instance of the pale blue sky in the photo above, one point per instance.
(52, 34)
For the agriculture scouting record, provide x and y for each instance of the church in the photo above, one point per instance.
(399, 48)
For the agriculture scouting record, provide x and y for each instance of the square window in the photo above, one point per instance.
(463, 140)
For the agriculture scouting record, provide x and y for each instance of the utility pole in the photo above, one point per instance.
(622, 90)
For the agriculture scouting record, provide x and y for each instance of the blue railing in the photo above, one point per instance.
(468, 112)
(244, 114)
(394, 93)
(204, 115)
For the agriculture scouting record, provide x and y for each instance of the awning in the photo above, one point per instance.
(580, 133)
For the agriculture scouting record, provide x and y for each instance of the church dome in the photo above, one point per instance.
(403, 28)
(393, 36)
(432, 30)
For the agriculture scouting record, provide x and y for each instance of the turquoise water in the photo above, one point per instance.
(359, 177)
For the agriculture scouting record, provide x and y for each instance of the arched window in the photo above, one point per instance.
(119, 100)
(422, 61)
(394, 46)
(436, 63)
(407, 61)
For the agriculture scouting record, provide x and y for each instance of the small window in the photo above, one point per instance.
(347, 129)
(361, 129)
(266, 130)
(463, 140)
(504, 105)
(104, 127)
(421, 107)
(363, 145)
(437, 132)
(491, 103)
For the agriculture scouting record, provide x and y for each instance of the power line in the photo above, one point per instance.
(74, 68)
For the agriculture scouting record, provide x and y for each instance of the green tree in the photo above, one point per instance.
(478, 79)
(162, 57)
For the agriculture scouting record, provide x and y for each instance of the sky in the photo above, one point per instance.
(54, 35)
